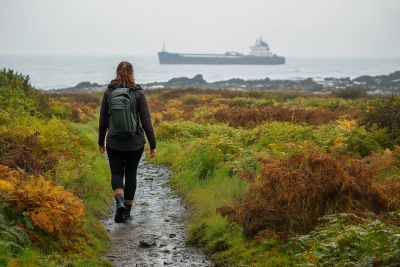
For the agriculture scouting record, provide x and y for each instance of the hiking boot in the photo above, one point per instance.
(127, 212)
(119, 215)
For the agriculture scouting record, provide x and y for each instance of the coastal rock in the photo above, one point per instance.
(394, 76)
(186, 82)
(83, 87)
(347, 79)
(382, 81)
(198, 79)
(375, 84)
(86, 85)
(368, 80)
(179, 80)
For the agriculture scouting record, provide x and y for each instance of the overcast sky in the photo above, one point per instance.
(312, 28)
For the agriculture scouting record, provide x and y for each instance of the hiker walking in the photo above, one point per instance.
(125, 113)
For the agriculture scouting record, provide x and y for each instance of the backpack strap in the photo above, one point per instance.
(133, 103)
(108, 101)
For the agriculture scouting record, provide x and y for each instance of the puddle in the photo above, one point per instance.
(156, 235)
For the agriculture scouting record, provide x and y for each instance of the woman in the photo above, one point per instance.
(124, 153)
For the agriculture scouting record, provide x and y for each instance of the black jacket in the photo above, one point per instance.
(131, 143)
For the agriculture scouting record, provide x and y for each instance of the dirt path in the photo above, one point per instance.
(156, 235)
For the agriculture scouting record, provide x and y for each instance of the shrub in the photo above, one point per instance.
(15, 98)
(49, 206)
(10, 79)
(351, 93)
(86, 98)
(16, 92)
(78, 107)
(363, 142)
(385, 113)
(35, 145)
(327, 103)
(188, 100)
(289, 196)
(249, 118)
(25, 153)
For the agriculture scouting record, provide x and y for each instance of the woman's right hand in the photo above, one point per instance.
(152, 153)
(102, 149)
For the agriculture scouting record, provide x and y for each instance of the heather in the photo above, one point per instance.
(266, 170)
(53, 183)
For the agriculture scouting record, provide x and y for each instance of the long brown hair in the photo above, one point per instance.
(124, 73)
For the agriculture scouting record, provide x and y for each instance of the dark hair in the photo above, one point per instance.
(124, 73)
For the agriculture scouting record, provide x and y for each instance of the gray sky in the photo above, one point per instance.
(328, 28)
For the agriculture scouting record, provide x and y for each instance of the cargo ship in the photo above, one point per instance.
(259, 55)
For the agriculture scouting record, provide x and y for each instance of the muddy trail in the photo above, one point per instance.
(156, 235)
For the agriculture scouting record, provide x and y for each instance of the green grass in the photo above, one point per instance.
(32, 257)
(96, 180)
(96, 177)
(207, 228)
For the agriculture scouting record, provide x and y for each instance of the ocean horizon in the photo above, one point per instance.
(55, 72)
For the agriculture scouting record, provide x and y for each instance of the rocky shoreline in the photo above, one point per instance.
(382, 85)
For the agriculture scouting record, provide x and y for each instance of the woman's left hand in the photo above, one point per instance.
(152, 153)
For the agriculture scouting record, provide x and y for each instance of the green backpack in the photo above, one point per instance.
(121, 113)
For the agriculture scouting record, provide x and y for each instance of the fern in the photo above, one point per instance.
(13, 236)
(337, 242)
(48, 205)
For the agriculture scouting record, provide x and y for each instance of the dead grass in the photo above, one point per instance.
(26, 153)
(289, 196)
(169, 94)
(80, 105)
(248, 118)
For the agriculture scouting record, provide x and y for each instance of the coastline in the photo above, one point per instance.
(377, 85)
(56, 72)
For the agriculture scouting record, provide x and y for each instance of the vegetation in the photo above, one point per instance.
(248, 118)
(290, 195)
(274, 177)
(348, 240)
(351, 93)
(385, 114)
(53, 184)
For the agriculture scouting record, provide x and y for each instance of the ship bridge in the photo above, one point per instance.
(261, 49)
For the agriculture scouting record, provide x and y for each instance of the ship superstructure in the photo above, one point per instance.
(261, 49)
(259, 54)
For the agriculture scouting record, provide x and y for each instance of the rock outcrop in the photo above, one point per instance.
(384, 84)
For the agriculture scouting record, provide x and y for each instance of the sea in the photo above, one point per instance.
(55, 72)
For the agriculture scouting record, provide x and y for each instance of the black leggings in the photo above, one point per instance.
(124, 163)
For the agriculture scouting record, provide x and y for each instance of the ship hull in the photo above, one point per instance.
(175, 58)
